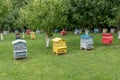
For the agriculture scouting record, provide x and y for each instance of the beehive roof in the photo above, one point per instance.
(85, 36)
(18, 40)
(57, 39)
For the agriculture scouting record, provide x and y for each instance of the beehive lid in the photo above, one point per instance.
(32, 32)
(106, 34)
(57, 39)
(18, 40)
(85, 36)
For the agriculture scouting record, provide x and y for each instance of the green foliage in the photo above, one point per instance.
(5, 8)
(43, 14)
(90, 13)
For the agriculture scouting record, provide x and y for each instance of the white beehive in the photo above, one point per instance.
(20, 49)
(86, 42)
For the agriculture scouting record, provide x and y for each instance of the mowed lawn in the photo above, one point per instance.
(101, 63)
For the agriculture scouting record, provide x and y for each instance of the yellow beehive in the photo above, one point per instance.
(32, 34)
(105, 30)
(59, 46)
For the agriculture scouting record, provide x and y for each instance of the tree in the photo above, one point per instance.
(5, 8)
(44, 14)
(90, 13)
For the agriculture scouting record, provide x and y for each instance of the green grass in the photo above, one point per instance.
(101, 63)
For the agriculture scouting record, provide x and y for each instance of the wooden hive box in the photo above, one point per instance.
(59, 46)
(86, 42)
(20, 49)
(32, 34)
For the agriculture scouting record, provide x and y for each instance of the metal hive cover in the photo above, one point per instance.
(18, 40)
(85, 36)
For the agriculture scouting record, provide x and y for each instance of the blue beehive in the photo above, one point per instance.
(20, 49)
(96, 30)
(56, 30)
(86, 42)
(77, 31)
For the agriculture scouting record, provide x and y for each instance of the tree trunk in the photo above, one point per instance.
(47, 41)
(80, 30)
(23, 34)
(86, 32)
(1, 35)
(119, 34)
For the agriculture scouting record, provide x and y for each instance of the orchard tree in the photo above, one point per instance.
(91, 13)
(5, 8)
(49, 14)
(45, 15)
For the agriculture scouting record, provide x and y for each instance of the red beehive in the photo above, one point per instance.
(107, 38)
(28, 31)
(63, 32)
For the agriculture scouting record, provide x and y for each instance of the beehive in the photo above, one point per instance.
(59, 46)
(96, 30)
(86, 42)
(20, 49)
(105, 30)
(32, 34)
(77, 31)
(107, 38)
